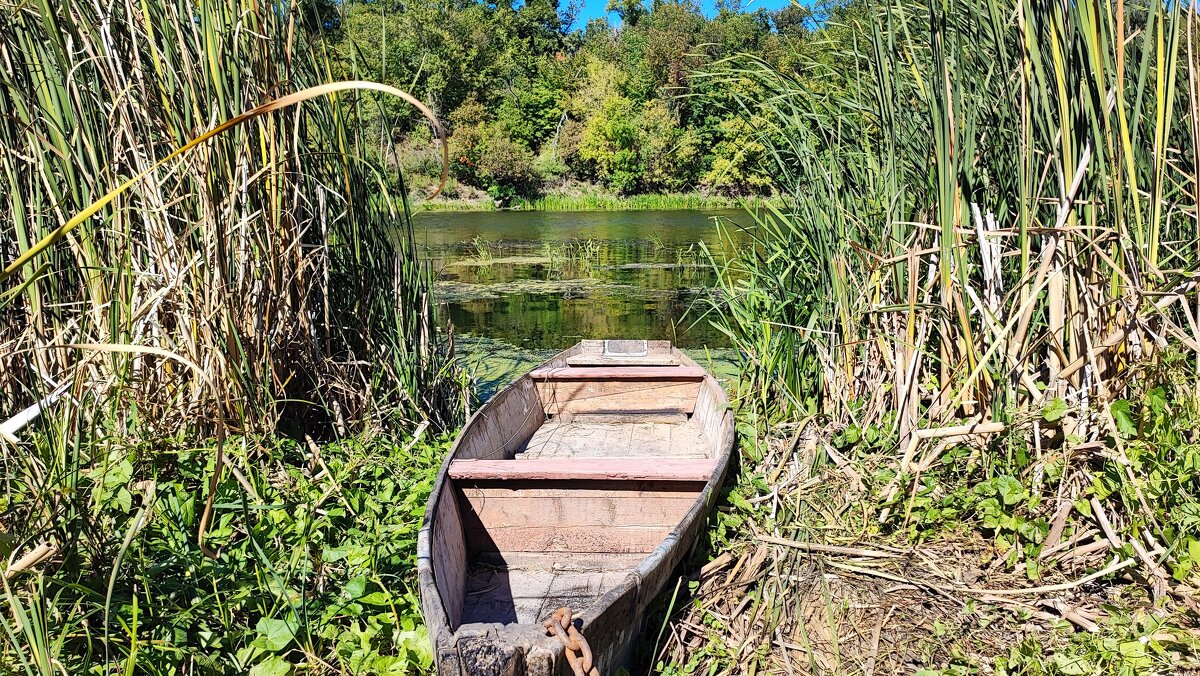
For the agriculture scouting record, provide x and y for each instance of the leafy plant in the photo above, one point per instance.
(316, 560)
(235, 257)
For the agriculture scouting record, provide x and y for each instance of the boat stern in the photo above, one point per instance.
(498, 650)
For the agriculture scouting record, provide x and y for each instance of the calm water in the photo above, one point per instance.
(519, 286)
(544, 280)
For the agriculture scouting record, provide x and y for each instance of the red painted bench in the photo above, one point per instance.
(599, 469)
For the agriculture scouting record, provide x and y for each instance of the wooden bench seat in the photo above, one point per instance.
(568, 390)
(666, 373)
(601, 360)
(596, 469)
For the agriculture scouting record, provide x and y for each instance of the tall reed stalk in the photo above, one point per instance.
(991, 205)
(271, 259)
(273, 256)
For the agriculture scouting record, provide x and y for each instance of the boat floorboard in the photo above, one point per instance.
(575, 439)
(527, 587)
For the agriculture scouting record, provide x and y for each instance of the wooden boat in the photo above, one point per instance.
(580, 486)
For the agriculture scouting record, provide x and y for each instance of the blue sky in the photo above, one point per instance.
(594, 8)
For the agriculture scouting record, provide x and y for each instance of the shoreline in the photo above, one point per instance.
(595, 202)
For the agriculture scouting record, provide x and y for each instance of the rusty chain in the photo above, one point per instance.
(561, 625)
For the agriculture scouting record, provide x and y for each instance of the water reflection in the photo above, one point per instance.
(544, 280)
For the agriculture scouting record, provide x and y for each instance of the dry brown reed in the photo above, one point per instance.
(983, 287)
(272, 255)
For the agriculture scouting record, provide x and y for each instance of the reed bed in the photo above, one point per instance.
(264, 283)
(981, 292)
(274, 257)
(996, 213)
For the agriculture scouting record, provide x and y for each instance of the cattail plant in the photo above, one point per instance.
(263, 279)
(273, 255)
(991, 204)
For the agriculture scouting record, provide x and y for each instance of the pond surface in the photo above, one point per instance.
(521, 285)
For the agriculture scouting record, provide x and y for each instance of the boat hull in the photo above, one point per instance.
(518, 524)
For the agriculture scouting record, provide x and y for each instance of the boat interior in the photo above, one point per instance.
(565, 482)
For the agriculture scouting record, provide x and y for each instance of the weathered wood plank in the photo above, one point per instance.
(665, 418)
(573, 539)
(522, 596)
(517, 488)
(579, 439)
(504, 424)
(601, 360)
(581, 563)
(663, 373)
(558, 469)
(449, 553)
(618, 396)
(532, 585)
(493, 511)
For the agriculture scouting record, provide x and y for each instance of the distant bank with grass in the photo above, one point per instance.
(594, 200)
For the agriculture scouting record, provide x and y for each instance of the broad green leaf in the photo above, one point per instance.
(1055, 410)
(274, 665)
(1134, 651)
(416, 642)
(740, 502)
(1157, 400)
(1072, 665)
(1124, 417)
(356, 587)
(274, 634)
(379, 598)
(333, 555)
(852, 435)
(1010, 490)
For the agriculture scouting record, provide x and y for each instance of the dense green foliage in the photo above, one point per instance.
(264, 282)
(316, 565)
(533, 104)
(981, 285)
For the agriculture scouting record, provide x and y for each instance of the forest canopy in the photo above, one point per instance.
(534, 102)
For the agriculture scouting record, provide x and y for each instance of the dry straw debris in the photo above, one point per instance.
(981, 290)
(804, 588)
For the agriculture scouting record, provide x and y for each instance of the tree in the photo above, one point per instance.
(738, 161)
(672, 34)
(671, 155)
(630, 11)
(793, 20)
(530, 113)
(484, 156)
(507, 168)
(617, 104)
(609, 145)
